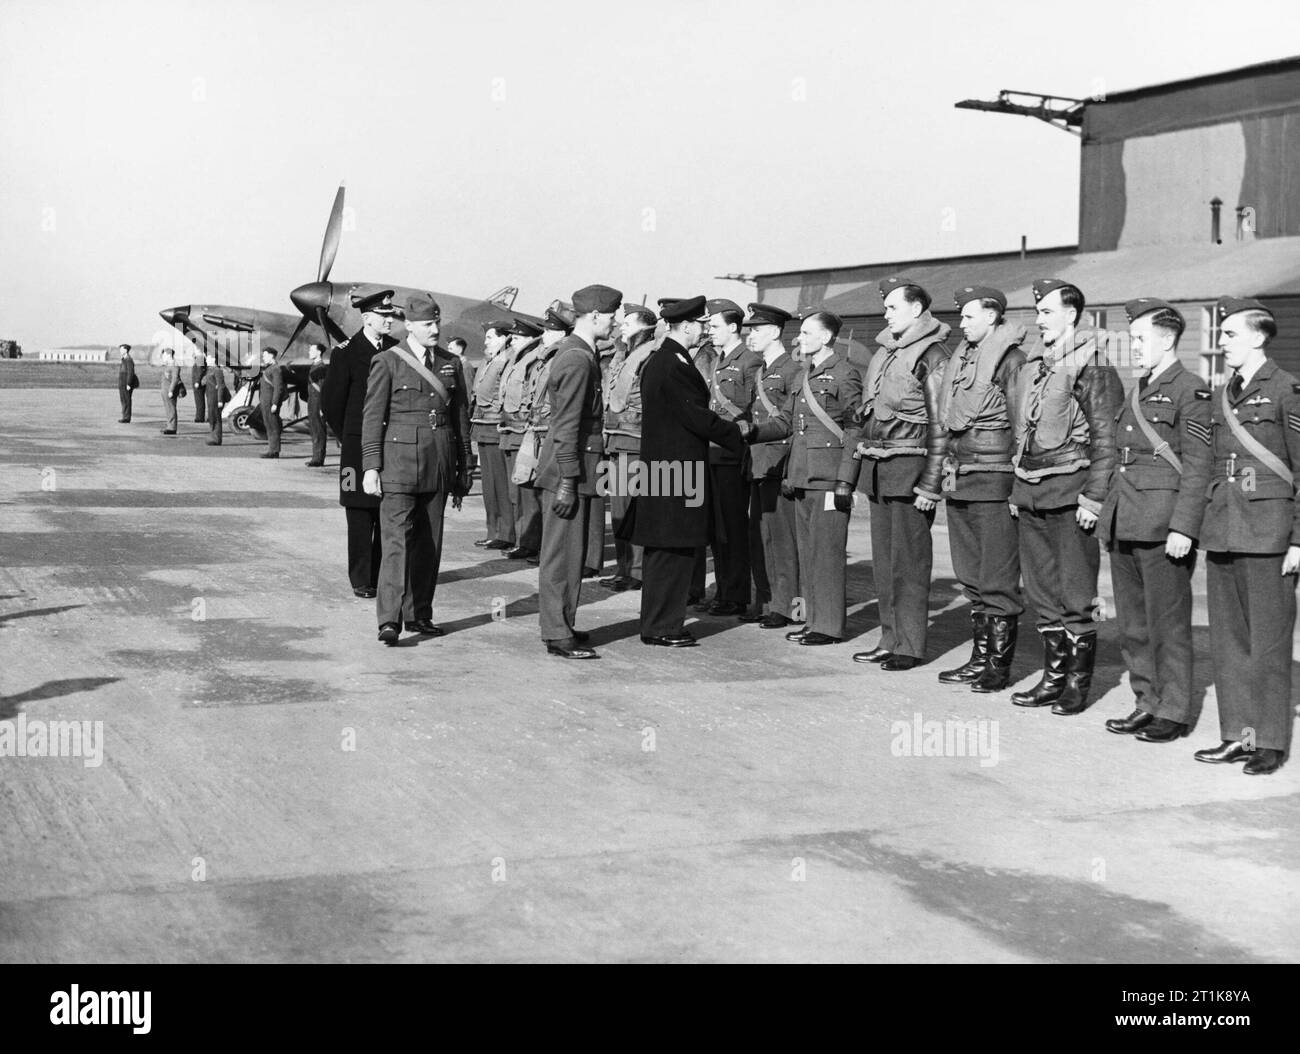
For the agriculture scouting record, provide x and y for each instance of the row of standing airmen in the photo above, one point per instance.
(1034, 447)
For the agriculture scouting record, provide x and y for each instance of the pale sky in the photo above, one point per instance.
(155, 154)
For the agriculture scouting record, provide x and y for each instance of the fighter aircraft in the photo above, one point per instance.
(325, 316)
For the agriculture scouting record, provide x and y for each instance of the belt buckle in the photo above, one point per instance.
(1232, 468)
(1124, 453)
(436, 419)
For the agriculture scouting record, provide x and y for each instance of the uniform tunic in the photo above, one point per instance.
(623, 412)
(171, 377)
(495, 473)
(774, 552)
(731, 397)
(127, 383)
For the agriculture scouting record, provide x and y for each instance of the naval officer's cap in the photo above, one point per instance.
(379, 302)
(674, 310)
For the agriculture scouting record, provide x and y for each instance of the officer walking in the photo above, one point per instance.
(671, 522)
(415, 453)
(1251, 537)
(271, 391)
(567, 465)
(516, 393)
(127, 382)
(1150, 521)
(773, 552)
(485, 421)
(731, 394)
(821, 470)
(344, 397)
(214, 395)
(197, 370)
(1064, 403)
(902, 446)
(316, 373)
(168, 386)
(623, 417)
(977, 479)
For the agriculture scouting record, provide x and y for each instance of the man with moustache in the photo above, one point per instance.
(567, 469)
(977, 481)
(344, 398)
(821, 470)
(677, 428)
(623, 422)
(773, 553)
(485, 419)
(901, 444)
(1150, 521)
(1064, 402)
(1251, 537)
(516, 397)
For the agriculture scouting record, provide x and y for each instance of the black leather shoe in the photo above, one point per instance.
(1126, 726)
(590, 572)
(797, 635)
(1224, 754)
(389, 632)
(634, 584)
(123, 421)
(726, 607)
(876, 654)
(681, 640)
(575, 651)
(816, 640)
(424, 626)
(1162, 730)
(899, 662)
(703, 604)
(167, 431)
(519, 553)
(1264, 762)
(315, 464)
(483, 543)
(272, 457)
(364, 594)
(581, 636)
(616, 583)
(213, 442)
(752, 616)
(496, 543)
(774, 620)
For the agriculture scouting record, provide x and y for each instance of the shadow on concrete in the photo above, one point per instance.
(37, 612)
(9, 704)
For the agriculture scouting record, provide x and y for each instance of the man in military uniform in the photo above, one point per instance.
(670, 517)
(485, 421)
(1150, 521)
(197, 369)
(127, 383)
(731, 393)
(516, 395)
(215, 395)
(556, 324)
(459, 347)
(977, 479)
(271, 391)
(168, 385)
(773, 553)
(901, 449)
(1251, 537)
(704, 357)
(567, 468)
(623, 413)
(1064, 402)
(316, 373)
(415, 452)
(344, 397)
(821, 469)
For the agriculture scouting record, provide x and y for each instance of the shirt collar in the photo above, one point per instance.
(1247, 377)
(774, 352)
(1151, 377)
(822, 357)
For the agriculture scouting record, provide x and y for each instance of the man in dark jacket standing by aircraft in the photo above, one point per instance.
(127, 383)
(271, 392)
(344, 399)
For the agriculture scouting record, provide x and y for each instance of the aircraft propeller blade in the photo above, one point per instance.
(333, 231)
(332, 331)
(302, 324)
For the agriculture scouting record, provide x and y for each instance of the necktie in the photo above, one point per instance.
(1235, 386)
(1144, 383)
(428, 360)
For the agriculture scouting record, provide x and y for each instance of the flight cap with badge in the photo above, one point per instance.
(1230, 305)
(767, 315)
(379, 302)
(419, 307)
(602, 299)
(1144, 305)
(1043, 286)
(674, 310)
(888, 285)
(967, 293)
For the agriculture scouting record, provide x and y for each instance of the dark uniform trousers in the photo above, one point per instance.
(1153, 610)
(364, 548)
(559, 580)
(902, 555)
(1060, 562)
(271, 420)
(410, 527)
(594, 555)
(496, 492)
(699, 573)
(1252, 613)
(316, 423)
(985, 543)
(627, 557)
(729, 534)
(526, 503)
(667, 579)
(773, 552)
(821, 535)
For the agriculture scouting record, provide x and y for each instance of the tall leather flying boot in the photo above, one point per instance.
(1001, 638)
(1078, 675)
(1052, 684)
(979, 653)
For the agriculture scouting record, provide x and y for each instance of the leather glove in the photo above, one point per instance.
(787, 489)
(464, 482)
(565, 504)
(843, 497)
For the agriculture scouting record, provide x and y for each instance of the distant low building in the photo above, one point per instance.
(76, 354)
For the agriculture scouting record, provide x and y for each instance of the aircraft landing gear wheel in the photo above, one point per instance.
(239, 419)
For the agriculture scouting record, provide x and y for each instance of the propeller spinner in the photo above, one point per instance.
(313, 299)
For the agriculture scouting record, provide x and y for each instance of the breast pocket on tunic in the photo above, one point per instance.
(401, 454)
